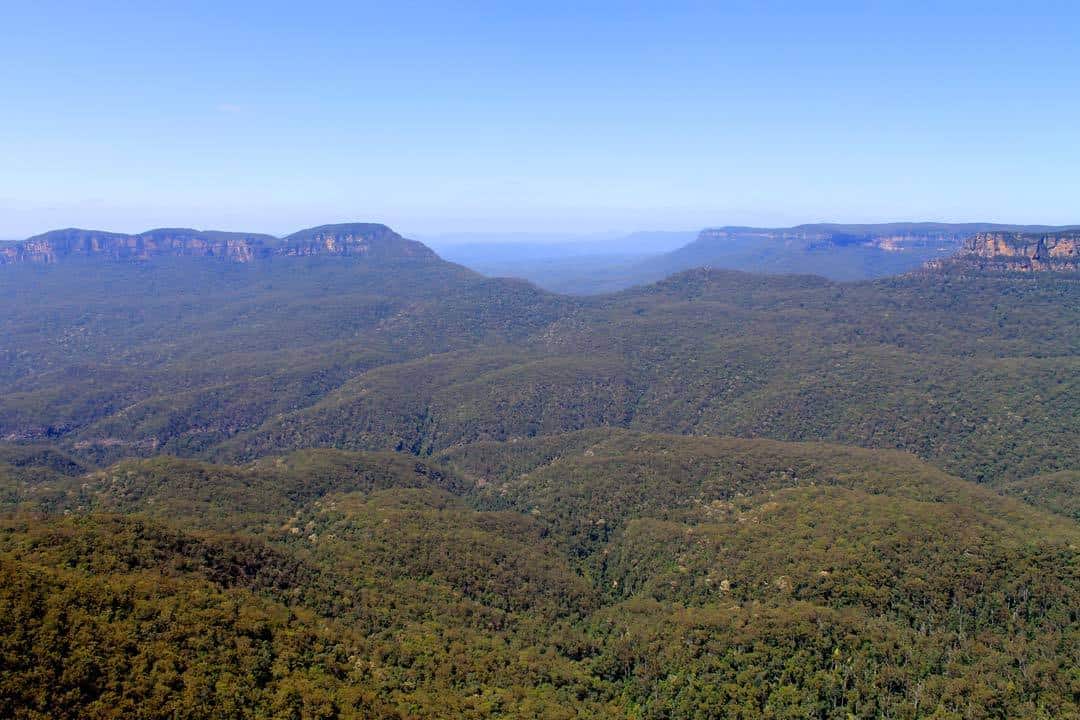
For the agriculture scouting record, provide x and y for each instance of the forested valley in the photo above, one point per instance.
(386, 486)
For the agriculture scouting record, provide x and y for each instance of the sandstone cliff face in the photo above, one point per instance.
(1026, 249)
(356, 239)
(1024, 252)
(59, 245)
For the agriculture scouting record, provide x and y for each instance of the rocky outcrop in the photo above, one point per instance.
(370, 240)
(1022, 252)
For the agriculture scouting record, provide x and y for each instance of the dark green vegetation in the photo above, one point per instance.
(326, 487)
(601, 573)
(978, 376)
(231, 361)
(1057, 492)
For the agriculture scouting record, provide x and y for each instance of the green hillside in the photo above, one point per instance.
(1057, 492)
(978, 375)
(220, 360)
(595, 574)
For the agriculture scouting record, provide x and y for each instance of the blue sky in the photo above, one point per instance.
(539, 116)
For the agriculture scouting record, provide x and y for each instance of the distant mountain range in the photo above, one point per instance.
(838, 252)
(592, 265)
(494, 247)
(573, 264)
(356, 239)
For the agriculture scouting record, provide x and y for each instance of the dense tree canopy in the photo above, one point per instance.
(308, 488)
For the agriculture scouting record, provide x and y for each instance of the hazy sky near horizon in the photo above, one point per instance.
(541, 117)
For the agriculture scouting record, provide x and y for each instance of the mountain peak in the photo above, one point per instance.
(373, 240)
